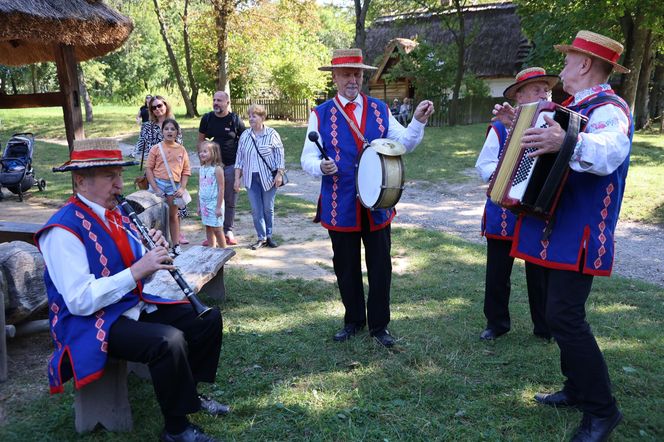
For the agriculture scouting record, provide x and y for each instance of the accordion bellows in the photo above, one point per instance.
(532, 185)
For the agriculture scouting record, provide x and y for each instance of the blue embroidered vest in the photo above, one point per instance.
(498, 222)
(586, 216)
(81, 343)
(339, 207)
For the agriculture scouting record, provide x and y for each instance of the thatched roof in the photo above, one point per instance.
(498, 47)
(30, 28)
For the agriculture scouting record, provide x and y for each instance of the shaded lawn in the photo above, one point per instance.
(287, 380)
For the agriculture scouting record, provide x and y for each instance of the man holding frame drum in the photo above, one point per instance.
(342, 122)
(580, 244)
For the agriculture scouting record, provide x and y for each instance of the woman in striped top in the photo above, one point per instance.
(259, 166)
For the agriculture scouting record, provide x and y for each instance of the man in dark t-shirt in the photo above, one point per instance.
(224, 127)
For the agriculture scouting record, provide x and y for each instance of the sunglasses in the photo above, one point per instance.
(157, 106)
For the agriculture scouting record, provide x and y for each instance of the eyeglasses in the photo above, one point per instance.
(157, 106)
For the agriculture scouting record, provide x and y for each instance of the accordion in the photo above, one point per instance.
(532, 185)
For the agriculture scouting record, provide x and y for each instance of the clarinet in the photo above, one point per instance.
(199, 308)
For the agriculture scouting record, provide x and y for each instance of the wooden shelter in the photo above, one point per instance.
(398, 88)
(497, 50)
(62, 31)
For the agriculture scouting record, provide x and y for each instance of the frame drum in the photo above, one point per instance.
(379, 179)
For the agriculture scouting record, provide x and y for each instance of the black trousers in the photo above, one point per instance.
(497, 289)
(179, 349)
(347, 262)
(581, 360)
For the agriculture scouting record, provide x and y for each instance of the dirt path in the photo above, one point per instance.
(305, 250)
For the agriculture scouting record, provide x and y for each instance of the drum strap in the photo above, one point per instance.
(352, 124)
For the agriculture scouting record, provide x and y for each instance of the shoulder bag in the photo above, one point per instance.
(284, 177)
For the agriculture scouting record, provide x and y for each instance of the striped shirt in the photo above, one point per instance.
(271, 148)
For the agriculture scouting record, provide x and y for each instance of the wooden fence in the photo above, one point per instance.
(471, 110)
(292, 110)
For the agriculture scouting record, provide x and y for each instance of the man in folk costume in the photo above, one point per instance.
(580, 238)
(531, 85)
(338, 122)
(96, 266)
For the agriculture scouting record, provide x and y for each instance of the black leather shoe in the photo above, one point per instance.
(489, 334)
(347, 332)
(270, 243)
(193, 433)
(212, 407)
(557, 399)
(258, 244)
(384, 338)
(596, 429)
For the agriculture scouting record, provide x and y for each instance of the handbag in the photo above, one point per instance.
(183, 200)
(141, 182)
(284, 177)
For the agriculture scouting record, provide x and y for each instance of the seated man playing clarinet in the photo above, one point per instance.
(96, 265)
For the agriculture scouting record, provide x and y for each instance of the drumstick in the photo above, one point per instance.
(313, 136)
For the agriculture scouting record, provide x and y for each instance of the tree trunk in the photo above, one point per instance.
(3, 81)
(83, 90)
(460, 40)
(223, 11)
(187, 58)
(641, 106)
(12, 80)
(33, 77)
(657, 98)
(360, 21)
(634, 59)
(174, 63)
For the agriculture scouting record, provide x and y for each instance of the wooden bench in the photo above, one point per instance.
(105, 401)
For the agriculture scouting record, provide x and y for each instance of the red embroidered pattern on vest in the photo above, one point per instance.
(101, 334)
(55, 309)
(503, 223)
(337, 158)
(98, 247)
(379, 120)
(545, 244)
(602, 226)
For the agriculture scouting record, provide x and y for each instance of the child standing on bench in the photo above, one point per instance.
(211, 193)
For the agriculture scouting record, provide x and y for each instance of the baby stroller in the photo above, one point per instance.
(16, 172)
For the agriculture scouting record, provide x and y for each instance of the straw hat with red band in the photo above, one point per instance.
(598, 46)
(530, 75)
(95, 152)
(347, 58)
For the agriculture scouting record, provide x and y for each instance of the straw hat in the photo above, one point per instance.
(598, 46)
(530, 75)
(346, 58)
(95, 152)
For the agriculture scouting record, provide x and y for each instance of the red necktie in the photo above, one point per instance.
(119, 236)
(350, 111)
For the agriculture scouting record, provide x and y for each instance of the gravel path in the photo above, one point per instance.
(457, 210)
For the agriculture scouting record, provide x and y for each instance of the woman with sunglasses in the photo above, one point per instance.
(151, 135)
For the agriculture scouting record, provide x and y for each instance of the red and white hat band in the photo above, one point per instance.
(597, 49)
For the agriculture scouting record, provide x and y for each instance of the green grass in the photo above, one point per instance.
(287, 380)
